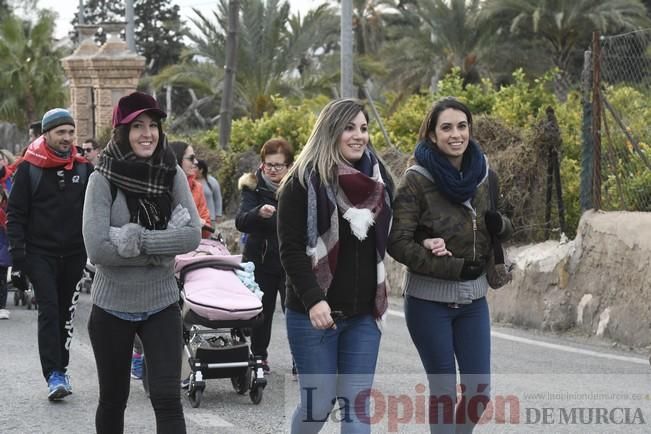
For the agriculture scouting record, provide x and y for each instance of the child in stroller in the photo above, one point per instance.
(217, 310)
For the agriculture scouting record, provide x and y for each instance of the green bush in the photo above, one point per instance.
(404, 124)
(519, 104)
(480, 98)
(291, 121)
(518, 107)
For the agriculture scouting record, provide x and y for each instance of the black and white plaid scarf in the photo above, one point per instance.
(147, 184)
(364, 201)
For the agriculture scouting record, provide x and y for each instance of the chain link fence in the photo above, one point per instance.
(623, 83)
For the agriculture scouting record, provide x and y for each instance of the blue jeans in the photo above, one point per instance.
(442, 335)
(333, 365)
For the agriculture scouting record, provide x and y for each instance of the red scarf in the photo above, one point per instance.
(41, 155)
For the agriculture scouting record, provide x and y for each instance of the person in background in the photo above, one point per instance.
(91, 150)
(334, 214)
(211, 191)
(257, 218)
(6, 159)
(186, 158)
(35, 130)
(44, 229)
(441, 231)
(7, 163)
(138, 216)
(5, 258)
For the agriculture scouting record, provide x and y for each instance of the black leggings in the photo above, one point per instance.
(112, 341)
(271, 285)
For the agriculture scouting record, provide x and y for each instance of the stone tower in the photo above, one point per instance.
(99, 77)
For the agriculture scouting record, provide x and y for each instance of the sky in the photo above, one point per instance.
(67, 8)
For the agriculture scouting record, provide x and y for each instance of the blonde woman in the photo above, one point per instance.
(335, 204)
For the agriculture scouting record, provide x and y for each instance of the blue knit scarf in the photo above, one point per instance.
(457, 185)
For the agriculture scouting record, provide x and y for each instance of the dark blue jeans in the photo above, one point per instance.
(333, 365)
(443, 334)
(112, 341)
(3, 287)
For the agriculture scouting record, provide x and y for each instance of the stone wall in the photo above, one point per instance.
(598, 284)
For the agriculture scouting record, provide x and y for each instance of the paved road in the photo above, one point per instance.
(549, 384)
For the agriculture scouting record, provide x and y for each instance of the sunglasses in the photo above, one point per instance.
(191, 157)
(86, 150)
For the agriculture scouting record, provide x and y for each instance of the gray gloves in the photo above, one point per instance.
(128, 238)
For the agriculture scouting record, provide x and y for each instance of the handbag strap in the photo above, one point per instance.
(493, 194)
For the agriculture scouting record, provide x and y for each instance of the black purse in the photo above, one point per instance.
(498, 273)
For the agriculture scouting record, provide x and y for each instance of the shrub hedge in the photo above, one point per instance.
(510, 118)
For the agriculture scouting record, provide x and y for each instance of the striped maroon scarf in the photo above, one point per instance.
(363, 200)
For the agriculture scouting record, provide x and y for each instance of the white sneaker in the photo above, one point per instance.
(4, 314)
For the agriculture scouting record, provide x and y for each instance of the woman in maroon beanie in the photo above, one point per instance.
(139, 214)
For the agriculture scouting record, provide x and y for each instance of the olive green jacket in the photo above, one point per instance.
(422, 211)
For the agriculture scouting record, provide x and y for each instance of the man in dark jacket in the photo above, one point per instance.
(45, 241)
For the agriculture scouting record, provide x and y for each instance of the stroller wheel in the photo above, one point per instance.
(256, 394)
(195, 397)
(241, 382)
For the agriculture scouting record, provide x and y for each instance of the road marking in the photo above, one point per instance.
(566, 348)
(569, 349)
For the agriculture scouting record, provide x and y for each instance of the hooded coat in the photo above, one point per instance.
(261, 246)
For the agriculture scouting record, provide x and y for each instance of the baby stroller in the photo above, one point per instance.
(217, 312)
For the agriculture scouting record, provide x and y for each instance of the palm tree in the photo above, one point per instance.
(226, 113)
(31, 75)
(275, 51)
(371, 19)
(430, 38)
(565, 26)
